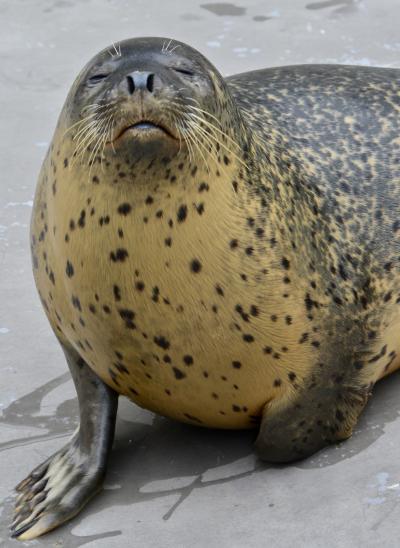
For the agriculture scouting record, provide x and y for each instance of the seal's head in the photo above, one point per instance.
(150, 98)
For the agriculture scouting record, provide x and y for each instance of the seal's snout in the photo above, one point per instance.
(143, 117)
(140, 84)
(140, 81)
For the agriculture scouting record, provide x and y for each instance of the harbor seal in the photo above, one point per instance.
(222, 251)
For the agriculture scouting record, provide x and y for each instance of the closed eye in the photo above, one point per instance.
(97, 78)
(184, 71)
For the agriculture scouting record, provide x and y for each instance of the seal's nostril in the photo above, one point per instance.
(140, 81)
(150, 82)
(131, 84)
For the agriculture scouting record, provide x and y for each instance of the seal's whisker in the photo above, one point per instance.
(83, 130)
(82, 121)
(189, 128)
(77, 155)
(101, 128)
(215, 127)
(87, 134)
(201, 111)
(87, 119)
(213, 153)
(216, 140)
(205, 140)
(178, 132)
(85, 139)
(117, 50)
(107, 132)
(92, 118)
(93, 155)
(188, 98)
(201, 114)
(103, 142)
(94, 106)
(210, 129)
(110, 125)
(206, 151)
(189, 147)
(196, 144)
(188, 143)
(166, 49)
(211, 148)
(179, 115)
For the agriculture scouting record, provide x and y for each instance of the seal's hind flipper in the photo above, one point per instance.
(57, 490)
(317, 417)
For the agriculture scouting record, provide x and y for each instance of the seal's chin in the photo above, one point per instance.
(145, 130)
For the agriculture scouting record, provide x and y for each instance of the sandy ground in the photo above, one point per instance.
(168, 484)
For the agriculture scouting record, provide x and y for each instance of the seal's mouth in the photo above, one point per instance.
(145, 129)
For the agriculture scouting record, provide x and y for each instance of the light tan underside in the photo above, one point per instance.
(212, 392)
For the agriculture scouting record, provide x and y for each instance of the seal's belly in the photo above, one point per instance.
(201, 387)
(165, 325)
(164, 317)
(188, 370)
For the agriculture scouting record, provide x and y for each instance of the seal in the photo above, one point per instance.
(223, 251)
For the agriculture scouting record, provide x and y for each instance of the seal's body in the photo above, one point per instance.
(223, 252)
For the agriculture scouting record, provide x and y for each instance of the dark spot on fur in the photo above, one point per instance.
(69, 270)
(285, 263)
(178, 373)
(119, 255)
(219, 290)
(188, 360)
(76, 303)
(182, 213)
(81, 220)
(117, 293)
(203, 187)
(124, 208)
(162, 342)
(195, 265)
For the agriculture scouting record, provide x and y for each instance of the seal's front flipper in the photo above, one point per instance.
(59, 488)
(317, 417)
